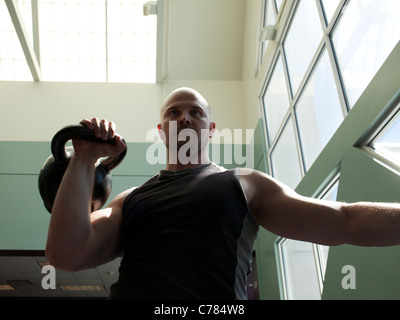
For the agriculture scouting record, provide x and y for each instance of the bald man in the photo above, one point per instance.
(188, 232)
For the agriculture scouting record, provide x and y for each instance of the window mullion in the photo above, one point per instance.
(337, 75)
(35, 29)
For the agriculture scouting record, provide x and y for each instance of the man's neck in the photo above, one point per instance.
(180, 167)
(193, 163)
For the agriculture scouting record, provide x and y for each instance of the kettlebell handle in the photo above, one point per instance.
(79, 131)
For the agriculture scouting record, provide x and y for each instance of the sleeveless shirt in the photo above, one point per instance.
(186, 235)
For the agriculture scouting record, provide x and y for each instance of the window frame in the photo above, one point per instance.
(316, 250)
(286, 16)
(389, 115)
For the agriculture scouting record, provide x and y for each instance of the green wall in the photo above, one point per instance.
(24, 220)
(363, 178)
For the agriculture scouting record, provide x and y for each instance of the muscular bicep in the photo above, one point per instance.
(104, 243)
(106, 229)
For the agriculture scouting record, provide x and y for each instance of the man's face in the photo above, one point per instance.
(186, 109)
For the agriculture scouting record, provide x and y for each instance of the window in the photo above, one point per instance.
(298, 270)
(132, 39)
(365, 36)
(303, 264)
(276, 100)
(329, 7)
(83, 41)
(302, 41)
(386, 142)
(318, 110)
(73, 41)
(285, 152)
(328, 53)
(278, 4)
(13, 64)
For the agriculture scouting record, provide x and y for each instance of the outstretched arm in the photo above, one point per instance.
(282, 211)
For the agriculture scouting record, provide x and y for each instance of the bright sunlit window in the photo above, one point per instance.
(325, 54)
(366, 34)
(13, 64)
(303, 264)
(83, 41)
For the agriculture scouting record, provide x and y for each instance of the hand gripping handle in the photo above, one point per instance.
(80, 131)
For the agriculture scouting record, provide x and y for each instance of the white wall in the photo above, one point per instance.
(36, 111)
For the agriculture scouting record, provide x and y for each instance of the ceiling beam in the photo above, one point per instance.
(35, 26)
(27, 48)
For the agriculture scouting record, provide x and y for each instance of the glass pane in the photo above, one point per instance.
(73, 41)
(300, 270)
(332, 193)
(318, 111)
(388, 144)
(278, 4)
(13, 65)
(302, 41)
(285, 159)
(364, 38)
(329, 7)
(276, 100)
(25, 9)
(132, 40)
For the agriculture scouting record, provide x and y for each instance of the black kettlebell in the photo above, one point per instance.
(53, 169)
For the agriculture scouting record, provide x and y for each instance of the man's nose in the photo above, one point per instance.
(184, 117)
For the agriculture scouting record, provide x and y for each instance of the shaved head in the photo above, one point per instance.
(183, 94)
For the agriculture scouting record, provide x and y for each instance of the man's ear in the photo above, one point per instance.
(161, 133)
(212, 129)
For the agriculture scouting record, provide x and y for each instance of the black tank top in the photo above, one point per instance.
(186, 235)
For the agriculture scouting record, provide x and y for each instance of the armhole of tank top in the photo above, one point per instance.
(128, 194)
(237, 179)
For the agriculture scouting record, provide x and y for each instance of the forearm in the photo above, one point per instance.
(373, 224)
(70, 225)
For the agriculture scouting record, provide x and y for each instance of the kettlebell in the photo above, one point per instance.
(54, 167)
